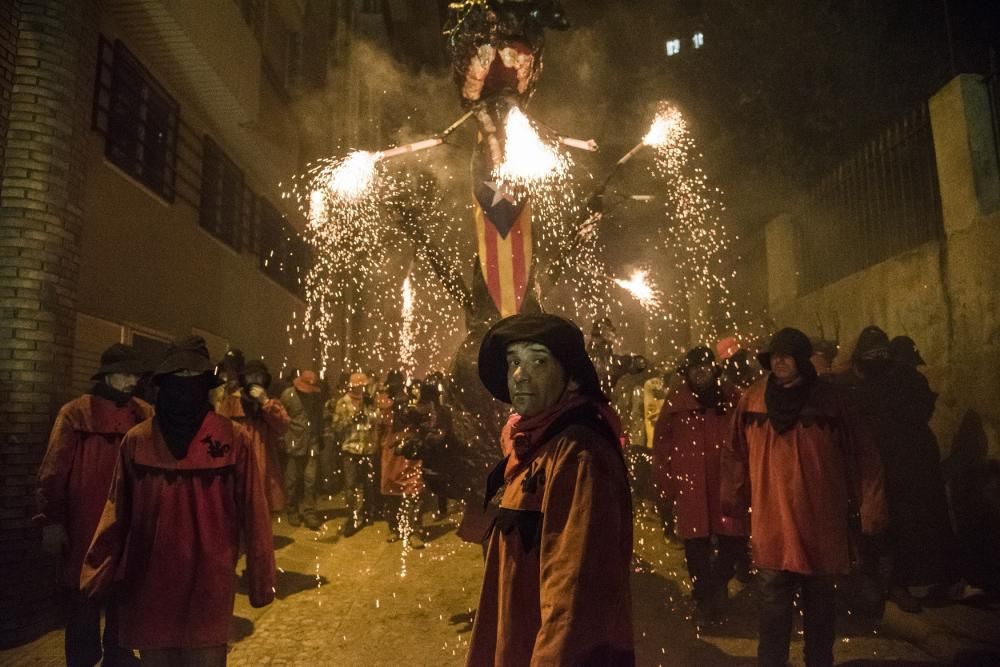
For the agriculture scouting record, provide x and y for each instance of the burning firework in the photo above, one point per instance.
(528, 159)
(352, 178)
(406, 335)
(667, 127)
(640, 287)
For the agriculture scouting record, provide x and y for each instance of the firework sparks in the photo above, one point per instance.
(527, 158)
(667, 127)
(407, 347)
(640, 287)
(353, 178)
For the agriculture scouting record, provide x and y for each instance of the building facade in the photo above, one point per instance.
(143, 147)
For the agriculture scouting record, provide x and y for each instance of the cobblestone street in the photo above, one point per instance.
(363, 601)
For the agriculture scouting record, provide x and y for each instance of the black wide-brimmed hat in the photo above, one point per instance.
(563, 339)
(186, 354)
(256, 367)
(701, 355)
(121, 358)
(873, 343)
(903, 349)
(792, 342)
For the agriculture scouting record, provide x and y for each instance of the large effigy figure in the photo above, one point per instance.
(496, 51)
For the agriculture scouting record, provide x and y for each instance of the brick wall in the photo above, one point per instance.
(40, 219)
(8, 41)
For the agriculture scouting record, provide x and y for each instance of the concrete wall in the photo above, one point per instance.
(942, 294)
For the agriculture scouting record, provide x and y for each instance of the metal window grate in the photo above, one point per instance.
(138, 118)
(222, 188)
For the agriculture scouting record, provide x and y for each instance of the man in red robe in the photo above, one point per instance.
(556, 586)
(186, 491)
(73, 484)
(690, 433)
(811, 480)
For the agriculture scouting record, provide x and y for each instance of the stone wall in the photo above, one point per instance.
(8, 44)
(943, 294)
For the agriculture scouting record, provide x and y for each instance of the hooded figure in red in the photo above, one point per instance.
(73, 484)
(812, 481)
(556, 586)
(186, 492)
(691, 431)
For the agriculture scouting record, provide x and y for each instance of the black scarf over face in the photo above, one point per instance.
(784, 404)
(251, 406)
(181, 406)
(104, 390)
(709, 397)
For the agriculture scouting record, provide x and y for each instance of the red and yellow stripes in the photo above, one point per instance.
(506, 262)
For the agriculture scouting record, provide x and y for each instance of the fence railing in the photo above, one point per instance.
(883, 200)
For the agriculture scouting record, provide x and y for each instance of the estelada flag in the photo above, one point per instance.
(503, 230)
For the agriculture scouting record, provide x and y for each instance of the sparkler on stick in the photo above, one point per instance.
(353, 178)
(642, 289)
(527, 158)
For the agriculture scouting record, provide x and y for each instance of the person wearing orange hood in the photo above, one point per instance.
(185, 495)
(266, 420)
(811, 479)
(556, 587)
(690, 433)
(73, 484)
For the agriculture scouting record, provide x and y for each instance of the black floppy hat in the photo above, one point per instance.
(563, 339)
(186, 354)
(120, 358)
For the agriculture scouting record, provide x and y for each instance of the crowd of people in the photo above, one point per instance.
(774, 467)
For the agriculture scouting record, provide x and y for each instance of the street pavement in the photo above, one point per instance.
(364, 601)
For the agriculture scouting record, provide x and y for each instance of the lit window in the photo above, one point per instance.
(698, 40)
(673, 47)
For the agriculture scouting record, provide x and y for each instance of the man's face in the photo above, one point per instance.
(700, 377)
(784, 368)
(535, 379)
(123, 382)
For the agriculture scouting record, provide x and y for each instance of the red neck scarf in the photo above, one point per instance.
(522, 436)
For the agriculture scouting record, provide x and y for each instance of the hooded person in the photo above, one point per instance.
(73, 483)
(903, 352)
(186, 493)
(266, 421)
(809, 477)
(897, 403)
(692, 429)
(301, 442)
(556, 585)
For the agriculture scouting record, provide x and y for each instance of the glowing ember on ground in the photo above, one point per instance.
(527, 158)
(640, 287)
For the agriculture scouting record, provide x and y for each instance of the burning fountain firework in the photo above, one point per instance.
(528, 160)
(640, 287)
(694, 238)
